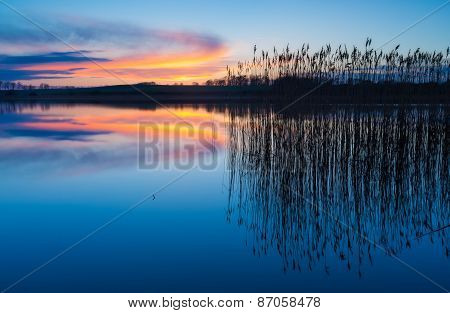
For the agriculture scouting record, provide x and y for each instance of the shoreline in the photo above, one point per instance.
(391, 94)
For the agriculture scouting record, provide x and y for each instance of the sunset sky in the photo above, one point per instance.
(90, 43)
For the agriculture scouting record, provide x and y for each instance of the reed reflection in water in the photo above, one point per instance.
(383, 173)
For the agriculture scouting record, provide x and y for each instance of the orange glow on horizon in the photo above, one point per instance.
(199, 65)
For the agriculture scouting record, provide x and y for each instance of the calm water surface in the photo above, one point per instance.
(316, 201)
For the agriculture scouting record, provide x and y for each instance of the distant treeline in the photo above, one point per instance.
(341, 66)
(8, 85)
(12, 85)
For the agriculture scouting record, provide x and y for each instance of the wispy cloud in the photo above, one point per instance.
(52, 57)
(99, 34)
(123, 48)
(11, 74)
(14, 67)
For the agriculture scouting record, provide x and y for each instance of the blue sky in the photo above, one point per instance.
(229, 28)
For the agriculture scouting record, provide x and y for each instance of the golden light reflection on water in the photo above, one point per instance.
(89, 138)
(124, 122)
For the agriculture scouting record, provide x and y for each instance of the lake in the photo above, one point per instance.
(223, 198)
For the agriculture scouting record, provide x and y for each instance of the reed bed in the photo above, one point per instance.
(341, 66)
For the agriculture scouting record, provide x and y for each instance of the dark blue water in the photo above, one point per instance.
(306, 202)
